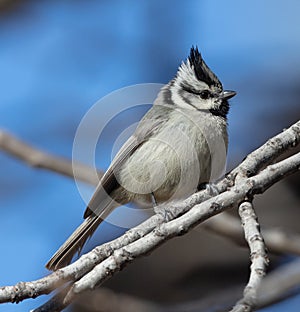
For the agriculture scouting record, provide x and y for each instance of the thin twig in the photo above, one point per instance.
(258, 254)
(55, 304)
(279, 284)
(152, 233)
(39, 159)
(278, 240)
(269, 152)
(109, 300)
(181, 225)
(261, 157)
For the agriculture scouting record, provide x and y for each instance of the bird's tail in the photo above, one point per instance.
(74, 243)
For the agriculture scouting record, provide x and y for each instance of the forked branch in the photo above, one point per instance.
(253, 176)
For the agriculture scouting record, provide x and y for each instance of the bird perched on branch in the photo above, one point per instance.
(179, 144)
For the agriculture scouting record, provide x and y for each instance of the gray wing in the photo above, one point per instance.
(150, 124)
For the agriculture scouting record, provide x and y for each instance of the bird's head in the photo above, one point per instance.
(197, 87)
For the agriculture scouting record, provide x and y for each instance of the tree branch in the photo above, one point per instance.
(258, 254)
(38, 159)
(278, 240)
(261, 157)
(100, 264)
(269, 151)
(278, 284)
(182, 224)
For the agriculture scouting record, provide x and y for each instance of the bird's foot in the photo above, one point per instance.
(211, 188)
(165, 211)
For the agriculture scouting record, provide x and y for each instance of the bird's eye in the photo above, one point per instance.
(205, 94)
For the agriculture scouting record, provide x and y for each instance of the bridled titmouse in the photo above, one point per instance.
(179, 144)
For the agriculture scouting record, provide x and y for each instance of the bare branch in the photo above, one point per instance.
(264, 155)
(269, 151)
(101, 263)
(38, 159)
(278, 240)
(258, 254)
(279, 284)
(55, 304)
(181, 225)
(109, 300)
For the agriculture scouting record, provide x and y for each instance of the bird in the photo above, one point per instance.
(177, 147)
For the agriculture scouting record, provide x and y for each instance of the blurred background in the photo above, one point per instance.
(57, 58)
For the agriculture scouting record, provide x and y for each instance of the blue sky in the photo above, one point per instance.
(57, 58)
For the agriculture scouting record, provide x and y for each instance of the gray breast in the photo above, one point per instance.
(179, 156)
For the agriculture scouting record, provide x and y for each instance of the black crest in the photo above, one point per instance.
(202, 71)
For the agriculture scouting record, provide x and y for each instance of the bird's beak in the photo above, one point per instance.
(227, 94)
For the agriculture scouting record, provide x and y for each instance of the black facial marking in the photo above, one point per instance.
(202, 71)
(222, 111)
(181, 93)
(204, 94)
(167, 95)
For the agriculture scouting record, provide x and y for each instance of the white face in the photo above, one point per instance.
(190, 93)
(197, 88)
(200, 99)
